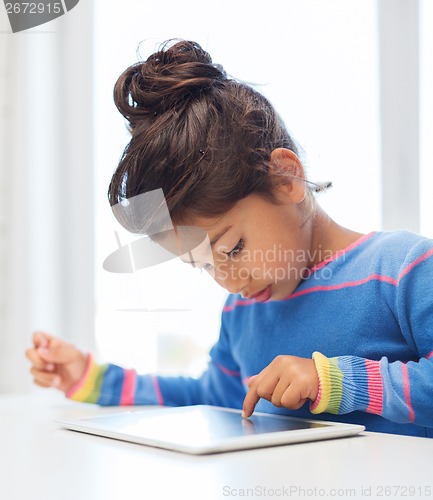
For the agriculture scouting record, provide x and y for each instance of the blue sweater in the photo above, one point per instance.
(365, 316)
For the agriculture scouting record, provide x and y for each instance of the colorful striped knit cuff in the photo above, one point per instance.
(87, 389)
(346, 384)
(330, 385)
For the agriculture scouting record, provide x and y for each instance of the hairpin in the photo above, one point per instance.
(321, 186)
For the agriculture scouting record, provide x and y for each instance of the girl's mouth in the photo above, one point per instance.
(264, 295)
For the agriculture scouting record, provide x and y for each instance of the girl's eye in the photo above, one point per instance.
(237, 249)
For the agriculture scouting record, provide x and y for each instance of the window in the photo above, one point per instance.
(317, 62)
(426, 116)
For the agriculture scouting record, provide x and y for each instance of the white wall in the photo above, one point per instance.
(46, 182)
(426, 116)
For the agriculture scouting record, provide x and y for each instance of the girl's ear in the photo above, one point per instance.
(286, 165)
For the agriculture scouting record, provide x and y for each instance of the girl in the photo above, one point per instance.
(320, 319)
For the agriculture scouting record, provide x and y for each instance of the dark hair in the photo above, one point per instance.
(204, 138)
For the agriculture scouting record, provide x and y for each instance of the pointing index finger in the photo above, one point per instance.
(250, 401)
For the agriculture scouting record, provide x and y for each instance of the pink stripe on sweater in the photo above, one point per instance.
(406, 386)
(239, 303)
(353, 245)
(420, 259)
(347, 284)
(375, 387)
(430, 355)
(225, 370)
(128, 388)
(159, 398)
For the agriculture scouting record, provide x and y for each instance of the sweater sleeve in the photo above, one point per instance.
(109, 384)
(399, 391)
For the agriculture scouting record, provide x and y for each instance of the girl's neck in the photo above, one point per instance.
(328, 237)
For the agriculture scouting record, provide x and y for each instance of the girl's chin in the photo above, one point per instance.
(283, 292)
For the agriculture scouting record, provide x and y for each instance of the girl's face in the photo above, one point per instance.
(259, 249)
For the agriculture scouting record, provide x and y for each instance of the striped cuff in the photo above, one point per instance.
(330, 385)
(346, 384)
(88, 388)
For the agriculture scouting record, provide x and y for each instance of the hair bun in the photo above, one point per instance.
(167, 80)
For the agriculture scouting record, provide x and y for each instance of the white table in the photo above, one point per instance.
(41, 461)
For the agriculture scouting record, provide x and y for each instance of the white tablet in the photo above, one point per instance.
(207, 429)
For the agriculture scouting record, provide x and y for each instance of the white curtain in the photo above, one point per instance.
(399, 48)
(46, 188)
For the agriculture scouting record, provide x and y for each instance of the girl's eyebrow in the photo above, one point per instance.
(219, 235)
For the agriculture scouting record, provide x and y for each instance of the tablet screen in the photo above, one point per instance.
(197, 425)
(207, 429)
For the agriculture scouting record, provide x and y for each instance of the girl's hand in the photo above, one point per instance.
(286, 382)
(55, 363)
